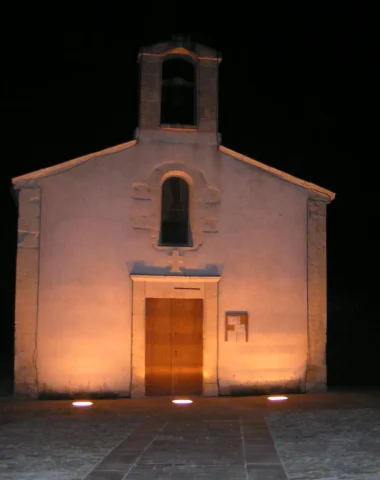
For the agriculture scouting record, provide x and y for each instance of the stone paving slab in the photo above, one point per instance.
(60, 448)
(193, 448)
(214, 438)
(333, 443)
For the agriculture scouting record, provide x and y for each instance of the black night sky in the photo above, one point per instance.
(297, 92)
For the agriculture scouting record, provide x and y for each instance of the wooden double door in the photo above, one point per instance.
(173, 346)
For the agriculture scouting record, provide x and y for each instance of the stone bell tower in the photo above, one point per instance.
(179, 91)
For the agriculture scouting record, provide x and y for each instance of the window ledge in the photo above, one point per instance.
(178, 128)
(183, 248)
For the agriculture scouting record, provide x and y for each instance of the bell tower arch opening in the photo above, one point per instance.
(178, 92)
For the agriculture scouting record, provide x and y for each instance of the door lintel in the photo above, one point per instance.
(174, 279)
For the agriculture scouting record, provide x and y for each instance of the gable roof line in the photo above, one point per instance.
(61, 167)
(279, 173)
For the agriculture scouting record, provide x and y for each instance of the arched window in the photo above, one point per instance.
(178, 96)
(175, 221)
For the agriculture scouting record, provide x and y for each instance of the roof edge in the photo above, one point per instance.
(61, 167)
(279, 173)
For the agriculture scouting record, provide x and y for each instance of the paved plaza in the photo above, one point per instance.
(333, 436)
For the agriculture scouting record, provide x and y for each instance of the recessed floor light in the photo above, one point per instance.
(81, 403)
(182, 401)
(277, 398)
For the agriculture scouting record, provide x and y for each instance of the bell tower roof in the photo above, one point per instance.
(182, 44)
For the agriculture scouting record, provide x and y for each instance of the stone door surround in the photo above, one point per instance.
(175, 286)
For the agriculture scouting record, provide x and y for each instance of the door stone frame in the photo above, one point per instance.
(154, 286)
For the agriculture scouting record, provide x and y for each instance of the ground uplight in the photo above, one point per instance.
(183, 401)
(277, 398)
(82, 403)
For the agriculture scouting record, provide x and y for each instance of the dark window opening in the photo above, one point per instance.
(175, 222)
(178, 96)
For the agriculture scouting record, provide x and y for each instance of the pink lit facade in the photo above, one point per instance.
(89, 254)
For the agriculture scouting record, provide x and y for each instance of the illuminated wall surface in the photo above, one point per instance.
(86, 227)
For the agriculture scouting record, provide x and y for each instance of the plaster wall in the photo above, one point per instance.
(100, 224)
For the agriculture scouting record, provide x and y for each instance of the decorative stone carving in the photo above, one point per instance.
(213, 196)
(176, 261)
(142, 222)
(141, 191)
(209, 225)
(208, 195)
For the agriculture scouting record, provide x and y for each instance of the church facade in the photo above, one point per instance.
(170, 265)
